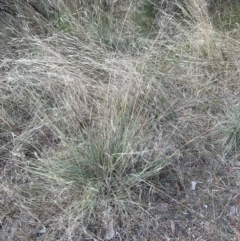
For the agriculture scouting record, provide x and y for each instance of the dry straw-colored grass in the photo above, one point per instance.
(104, 123)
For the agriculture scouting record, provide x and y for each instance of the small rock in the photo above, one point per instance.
(193, 185)
(232, 210)
(41, 232)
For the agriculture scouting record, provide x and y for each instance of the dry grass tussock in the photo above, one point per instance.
(109, 111)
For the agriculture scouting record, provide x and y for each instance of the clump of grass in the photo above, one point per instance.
(231, 132)
(205, 42)
(146, 17)
(225, 14)
(100, 163)
(108, 161)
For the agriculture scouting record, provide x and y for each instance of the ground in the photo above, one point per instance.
(120, 121)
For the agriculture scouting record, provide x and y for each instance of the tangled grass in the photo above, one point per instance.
(108, 111)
